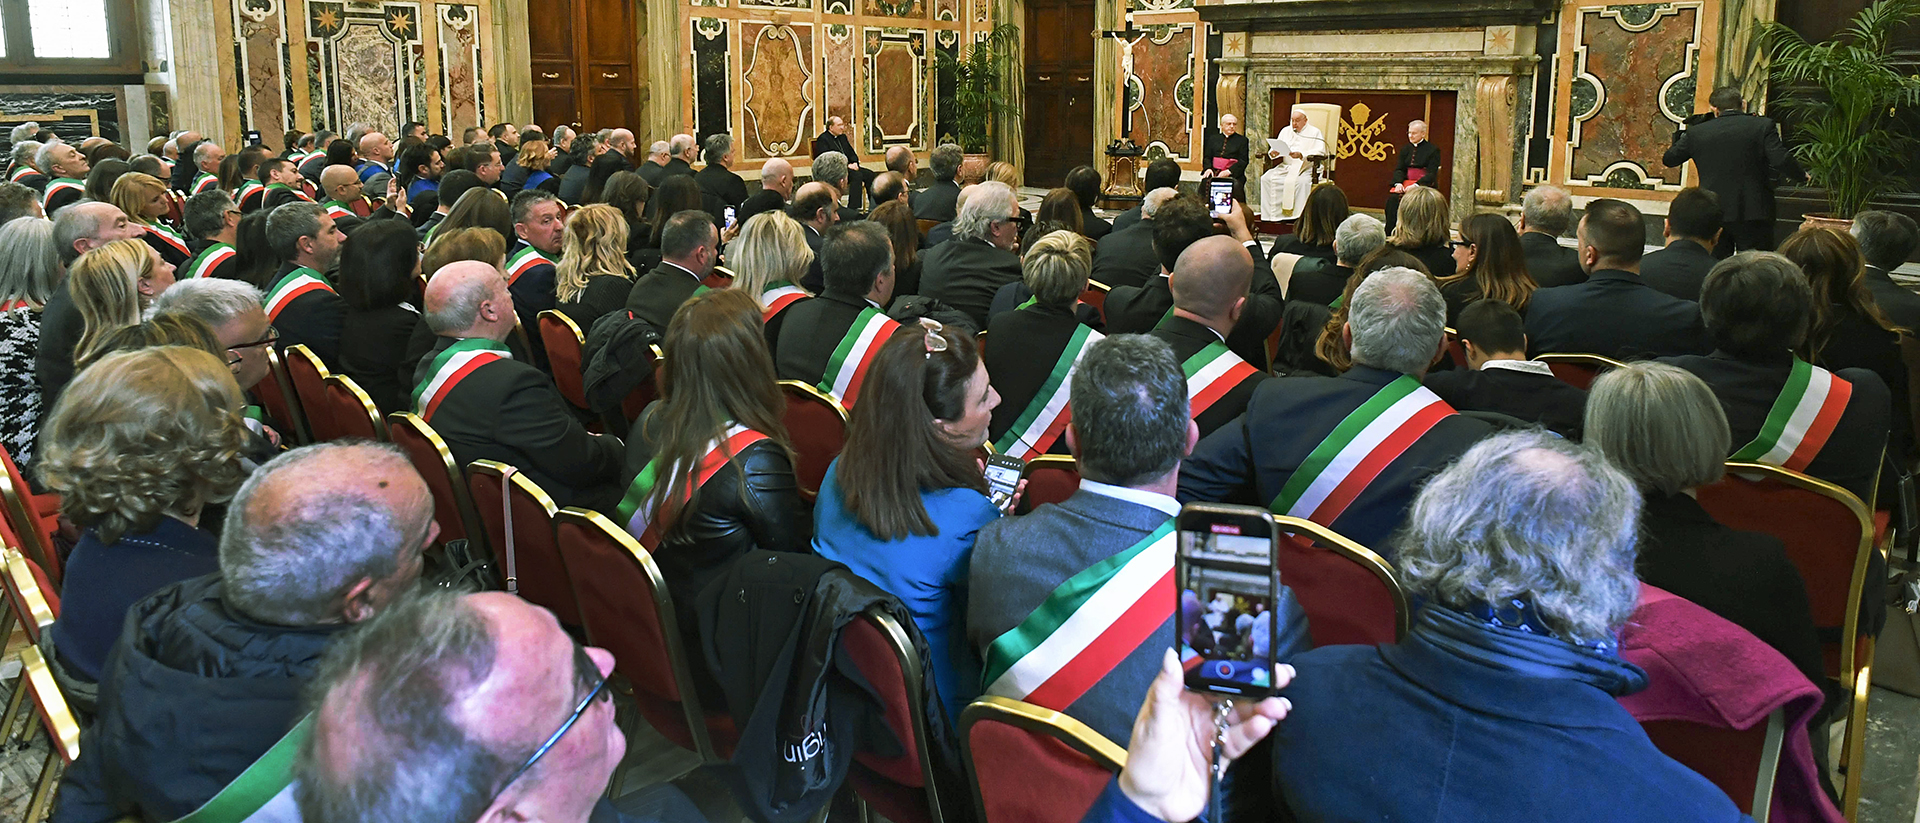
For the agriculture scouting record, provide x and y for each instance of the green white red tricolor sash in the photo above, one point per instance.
(848, 365)
(60, 184)
(1046, 416)
(338, 209)
(1211, 373)
(1802, 418)
(169, 237)
(524, 261)
(296, 192)
(636, 508)
(1086, 626)
(210, 258)
(1371, 437)
(22, 172)
(297, 283)
(779, 295)
(203, 182)
(247, 188)
(450, 366)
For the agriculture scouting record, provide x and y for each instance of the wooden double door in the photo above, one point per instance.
(586, 63)
(1059, 89)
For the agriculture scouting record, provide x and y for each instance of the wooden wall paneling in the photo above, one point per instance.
(550, 48)
(611, 72)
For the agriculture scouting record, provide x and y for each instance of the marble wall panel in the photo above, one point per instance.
(361, 64)
(73, 113)
(265, 82)
(776, 89)
(1628, 58)
(945, 85)
(895, 8)
(1159, 75)
(462, 94)
(896, 71)
(840, 52)
(711, 85)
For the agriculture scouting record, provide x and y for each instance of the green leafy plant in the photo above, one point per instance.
(980, 85)
(1845, 96)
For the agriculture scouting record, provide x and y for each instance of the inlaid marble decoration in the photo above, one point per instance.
(462, 94)
(1158, 67)
(840, 53)
(361, 64)
(896, 100)
(710, 75)
(895, 8)
(1632, 77)
(944, 86)
(266, 83)
(776, 89)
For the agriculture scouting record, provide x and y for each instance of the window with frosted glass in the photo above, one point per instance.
(69, 28)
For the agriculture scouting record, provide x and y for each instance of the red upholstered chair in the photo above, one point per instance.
(63, 732)
(817, 424)
(565, 353)
(1350, 594)
(720, 278)
(1742, 763)
(536, 568)
(452, 508)
(33, 519)
(352, 411)
(275, 394)
(1576, 370)
(1829, 535)
(309, 379)
(625, 609)
(902, 789)
(1051, 478)
(1458, 351)
(1095, 295)
(647, 392)
(1027, 763)
(32, 604)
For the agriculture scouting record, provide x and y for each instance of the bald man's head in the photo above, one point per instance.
(340, 182)
(469, 299)
(777, 174)
(1211, 277)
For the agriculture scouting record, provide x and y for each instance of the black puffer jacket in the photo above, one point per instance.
(193, 694)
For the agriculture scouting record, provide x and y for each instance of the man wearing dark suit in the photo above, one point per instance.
(1760, 308)
(681, 150)
(814, 208)
(1125, 256)
(1129, 435)
(717, 178)
(689, 245)
(301, 302)
(506, 410)
(1397, 325)
(835, 139)
(1209, 284)
(91, 225)
(1230, 145)
(1356, 237)
(965, 272)
(859, 276)
(1737, 154)
(1163, 173)
(1500, 378)
(1692, 230)
(1887, 239)
(1084, 182)
(1546, 214)
(1416, 154)
(1177, 225)
(831, 169)
(776, 185)
(936, 202)
(654, 168)
(1614, 313)
(539, 227)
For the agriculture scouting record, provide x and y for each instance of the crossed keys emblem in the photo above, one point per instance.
(1356, 135)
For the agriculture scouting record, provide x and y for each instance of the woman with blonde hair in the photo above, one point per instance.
(1422, 228)
(1001, 171)
(1033, 343)
(593, 276)
(144, 198)
(111, 286)
(769, 258)
(484, 245)
(530, 168)
(136, 447)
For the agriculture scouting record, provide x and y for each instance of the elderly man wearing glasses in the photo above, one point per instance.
(232, 309)
(965, 271)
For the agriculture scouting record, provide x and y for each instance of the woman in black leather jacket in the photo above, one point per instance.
(717, 386)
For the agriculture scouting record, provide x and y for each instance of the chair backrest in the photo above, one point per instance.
(885, 655)
(1282, 264)
(720, 278)
(1743, 763)
(309, 378)
(452, 508)
(1095, 295)
(1458, 351)
(1051, 478)
(1576, 369)
(1828, 534)
(352, 411)
(1027, 763)
(625, 609)
(565, 354)
(541, 575)
(647, 390)
(29, 596)
(34, 532)
(817, 425)
(275, 393)
(926, 225)
(1350, 594)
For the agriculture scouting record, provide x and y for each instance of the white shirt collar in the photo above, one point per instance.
(1152, 500)
(1523, 366)
(682, 268)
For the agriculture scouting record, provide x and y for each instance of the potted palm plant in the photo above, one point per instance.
(980, 93)
(1844, 97)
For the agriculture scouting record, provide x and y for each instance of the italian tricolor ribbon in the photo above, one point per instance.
(203, 182)
(296, 284)
(1371, 437)
(1086, 626)
(637, 511)
(1803, 417)
(22, 172)
(247, 188)
(284, 187)
(1045, 417)
(1211, 373)
(169, 237)
(337, 209)
(210, 258)
(779, 295)
(848, 365)
(60, 184)
(451, 366)
(524, 261)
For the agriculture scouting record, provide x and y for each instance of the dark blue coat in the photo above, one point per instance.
(1614, 313)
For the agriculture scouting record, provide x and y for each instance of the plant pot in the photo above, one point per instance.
(1826, 221)
(973, 168)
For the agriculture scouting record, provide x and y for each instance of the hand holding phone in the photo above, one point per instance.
(1220, 196)
(1003, 480)
(1227, 584)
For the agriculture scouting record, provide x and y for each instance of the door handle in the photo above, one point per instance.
(610, 75)
(1045, 77)
(1082, 79)
(550, 75)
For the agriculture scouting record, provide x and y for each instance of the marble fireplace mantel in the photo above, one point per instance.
(1340, 15)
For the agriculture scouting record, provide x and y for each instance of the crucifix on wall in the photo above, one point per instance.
(1127, 37)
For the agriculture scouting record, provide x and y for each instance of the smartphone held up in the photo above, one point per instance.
(1227, 582)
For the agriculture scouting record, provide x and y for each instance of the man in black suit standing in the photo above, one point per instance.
(1546, 213)
(1125, 257)
(1419, 165)
(680, 154)
(718, 178)
(1692, 230)
(1887, 239)
(1736, 153)
(689, 245)
(835, 139)
(1614, 313)
(776, 184)
(965, 271)
(936, 202)
(1500, 378)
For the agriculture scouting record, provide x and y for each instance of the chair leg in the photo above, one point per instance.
(1854, 744)
(14, 704)
(42, 799)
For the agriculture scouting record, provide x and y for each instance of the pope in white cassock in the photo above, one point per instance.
(1283, 189)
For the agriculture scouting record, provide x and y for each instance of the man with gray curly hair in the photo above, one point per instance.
(830, 168)
(1346, 452)
(20, 168)
(936, 202)
(1502, 697)
(965, 271)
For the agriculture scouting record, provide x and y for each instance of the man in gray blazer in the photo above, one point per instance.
(1129, 431)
